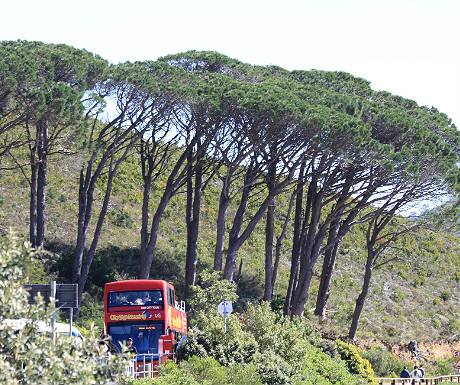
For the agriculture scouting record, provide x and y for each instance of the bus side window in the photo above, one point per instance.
(170, 297)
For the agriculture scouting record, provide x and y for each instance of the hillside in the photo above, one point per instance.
(412, 298)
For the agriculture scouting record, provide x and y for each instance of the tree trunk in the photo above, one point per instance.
(336, 235)
(85, 205)
(149, 249)
(221, 221)
(269, 234)
(279, 242)
(311, 243)
(233, 244)
(362, 296)
(33, 202)
(41, 184)
(174, 180)
(330, 257)
(300, 296)
(193, 222)
(147, 166)
(97, 234)
(324, 289)
(295, 253)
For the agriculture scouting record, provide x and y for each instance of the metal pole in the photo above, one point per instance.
(225, 317)
(71, 317)
(53, 318)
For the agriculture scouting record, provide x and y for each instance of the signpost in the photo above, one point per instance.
(63, 296)
(225, 308)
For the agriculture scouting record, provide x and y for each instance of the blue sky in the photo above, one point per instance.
(406, 47)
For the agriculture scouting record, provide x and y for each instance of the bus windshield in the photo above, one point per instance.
(145, 337)
(135, 297)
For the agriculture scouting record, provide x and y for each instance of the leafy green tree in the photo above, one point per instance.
(45, 99)
(211, 291)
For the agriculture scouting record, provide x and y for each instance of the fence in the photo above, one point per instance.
(142, 365)
(424, 381)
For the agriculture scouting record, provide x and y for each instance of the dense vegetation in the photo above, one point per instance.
(162, 169)
(31, 356)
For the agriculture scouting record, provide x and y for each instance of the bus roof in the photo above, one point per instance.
(138, 284)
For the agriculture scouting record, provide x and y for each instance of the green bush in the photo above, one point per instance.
(209, 340)
(204, 371)
(208, 371)
(382, 361)
(274, 349)
(29, 356)
(122, 218)
(419, 281)
(446, 295)
(211, 291)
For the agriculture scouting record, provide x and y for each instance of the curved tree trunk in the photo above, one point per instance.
(324, 289)
(362, 296)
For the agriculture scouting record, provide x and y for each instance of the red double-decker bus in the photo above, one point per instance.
(146, 311)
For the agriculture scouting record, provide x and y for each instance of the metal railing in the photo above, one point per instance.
(146, 365)
(455, 378)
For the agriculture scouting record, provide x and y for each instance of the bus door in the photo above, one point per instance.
(145, 337)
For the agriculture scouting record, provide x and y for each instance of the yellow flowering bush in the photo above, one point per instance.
(356, 364)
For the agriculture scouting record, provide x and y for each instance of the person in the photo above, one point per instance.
(147, 299)
(421, 370)
(103, 345)
(143, 343)
(416, 375)
(130, 348)
(405, 374)
(102, 348)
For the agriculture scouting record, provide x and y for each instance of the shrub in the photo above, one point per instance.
(209, 371)
(445, 295)
(419, 281)
(211, 291)
(382, 361)
(202, 371)
(30, 356)
(122, 218)
(234, 346)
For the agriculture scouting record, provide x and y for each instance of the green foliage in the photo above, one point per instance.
(443, 366)
(211, 291)
(382, 361)
(281, 351)
(122, 218)
(446, 295)
(419, 281)
(205, 371)
(209, 340)
(210, 371)
(30, 356)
